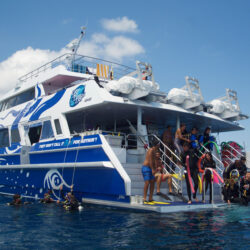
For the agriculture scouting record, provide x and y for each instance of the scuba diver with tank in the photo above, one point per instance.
(69, 200)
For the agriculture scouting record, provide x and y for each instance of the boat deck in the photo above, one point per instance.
(168, 207)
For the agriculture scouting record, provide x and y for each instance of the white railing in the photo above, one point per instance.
(119, 70)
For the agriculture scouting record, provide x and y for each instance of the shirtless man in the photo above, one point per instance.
(179, 138)
(148, 171)
(160, 176)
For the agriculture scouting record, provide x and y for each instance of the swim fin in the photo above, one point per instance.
(163, 196)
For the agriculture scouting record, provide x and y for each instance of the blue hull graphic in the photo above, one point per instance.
(78, 161)
(89, 182)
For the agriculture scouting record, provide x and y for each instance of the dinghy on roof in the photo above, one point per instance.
(227, 107)
(188, 97)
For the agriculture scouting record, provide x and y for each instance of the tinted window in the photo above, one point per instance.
(47, 131)
(18, 99)
(11, 102)
(15, 136)
(58, 127)
(35, 133)
(25, 96)
(4, 138)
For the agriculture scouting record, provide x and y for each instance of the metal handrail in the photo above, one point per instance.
(231, 154)
(87, 59)
(235, 149)
(175, 183)
(177, 186)
(176, 156)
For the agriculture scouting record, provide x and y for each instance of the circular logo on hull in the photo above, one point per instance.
(77, 96)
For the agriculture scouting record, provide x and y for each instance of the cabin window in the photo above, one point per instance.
(4, 138)
(58, 127)
(35, 132)
(47, 131)
(18, 99)
(25, 96)
(15, 136)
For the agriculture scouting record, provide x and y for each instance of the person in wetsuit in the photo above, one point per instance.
(240, 165)
(206, 163)
(231, 190)
(70, 202)
(193, 159)
(16, 200)
(245, 188)
(47, 197)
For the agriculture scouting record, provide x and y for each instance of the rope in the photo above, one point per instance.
(77, 152)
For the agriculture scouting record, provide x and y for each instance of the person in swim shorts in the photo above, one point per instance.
(160, 176)
(148, 171)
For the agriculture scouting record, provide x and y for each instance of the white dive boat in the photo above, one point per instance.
(84, 121)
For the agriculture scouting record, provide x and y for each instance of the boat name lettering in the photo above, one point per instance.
(55, 144)
(87, 140)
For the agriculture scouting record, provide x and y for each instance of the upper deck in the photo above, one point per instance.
(109, 84)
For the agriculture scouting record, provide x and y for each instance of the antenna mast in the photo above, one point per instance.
(76, 43)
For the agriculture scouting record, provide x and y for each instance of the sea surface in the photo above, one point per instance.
(49, 226)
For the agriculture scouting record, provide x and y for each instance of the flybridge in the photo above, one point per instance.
(81, 64)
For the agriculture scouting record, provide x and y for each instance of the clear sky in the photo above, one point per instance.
(209, 40)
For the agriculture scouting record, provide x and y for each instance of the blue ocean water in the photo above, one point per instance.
(48, 226)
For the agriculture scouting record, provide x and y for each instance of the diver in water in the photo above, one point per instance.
(47, 197)
(16, 200)
(70, 202)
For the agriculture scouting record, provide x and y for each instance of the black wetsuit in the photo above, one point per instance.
(193, 159)
(47, 198)
(241, 168)
(207, 176)
(70, 202)
(232, 192)
(245, 193)
(16, 200)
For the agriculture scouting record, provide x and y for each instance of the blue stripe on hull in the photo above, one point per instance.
(10, 160)
(83, 155)
(93, 182)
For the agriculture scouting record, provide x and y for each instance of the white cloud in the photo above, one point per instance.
(120, 25)
(117, 48)
(121, 46)
(20, 63)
